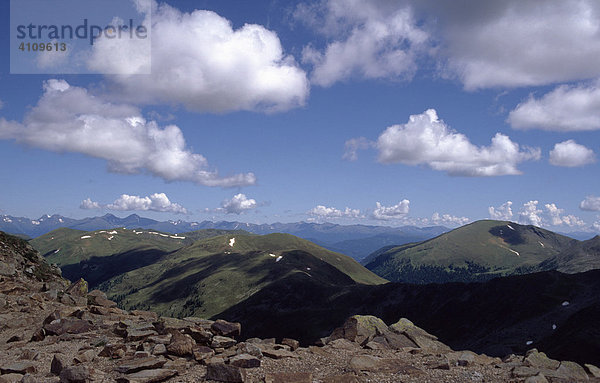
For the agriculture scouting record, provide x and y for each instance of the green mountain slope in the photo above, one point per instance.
(100, 255)
(479, 251)
(211, 275)
(579, 257)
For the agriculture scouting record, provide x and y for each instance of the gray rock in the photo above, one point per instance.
(244, 361)
(224, 328)
(222, 341)
(534, 358)
(135, 365)
(593, 370)
(159, 349)
(77, 374)
(148, 376)
(540, 378)
(572, 370)
(18, 368)
(225, 373)
(59, 363)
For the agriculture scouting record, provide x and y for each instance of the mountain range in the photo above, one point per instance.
(356, 241)
(484, 250)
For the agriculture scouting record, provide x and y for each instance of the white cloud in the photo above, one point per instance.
(156, 202)
(448, 220)
(399, 210)
(556, 217)
(514, 43)
(238, 204)
(552, 216)
(324, 212)
(368, 39)
(571, 154)
(69, 119)
(590, 203)
(199, 61)
(352, 147)
(530, 214)
(88, 204)
(564, 109)
(427, 140)
(596, 226)
(503, 212)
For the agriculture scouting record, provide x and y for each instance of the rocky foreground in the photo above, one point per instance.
(53, 331)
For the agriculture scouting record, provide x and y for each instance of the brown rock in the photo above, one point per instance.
(249, 348)
(100, 301)
(572, 370)
(277, 354)
(199, 334)
(294, 344)
(78, 374)
(225, 373)
(524, 371)
(67, 326)
(181, 345)
(419, 336)
(343, 344)
(363, 328)
(534, 358)
(222, 341)
(85, 356)
(593, 370)
(148, 376)
(59, 362)
(11, 378)
(39, 335)
(540, 378)
(289, 377)
(224, 328)
(135, 365)
(113, 351)
(78, 289)
(134, 335)
(146, 315)
(346, 378)
(29, 355)
(159, 349)
(202, 353)
(244, 361)
(18, 368)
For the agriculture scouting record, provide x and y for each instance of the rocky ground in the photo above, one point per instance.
(52, 331)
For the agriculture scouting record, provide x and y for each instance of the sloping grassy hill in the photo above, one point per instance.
(579, 257)
(100, 255)
(211, 275)
(478, 251)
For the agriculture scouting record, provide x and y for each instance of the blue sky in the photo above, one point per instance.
(251, 108)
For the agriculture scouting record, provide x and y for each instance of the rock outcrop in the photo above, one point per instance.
(51, 331)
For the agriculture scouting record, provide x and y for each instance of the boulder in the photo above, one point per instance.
(244, 361)
(78, 374)
(148, 376)
(572, 370)
(181, 345)
(294, 344)
(78, 289)
(222, 342)
(18, 368)
(534, 358)
(224, 328)
(139, 364)
(59, 363)
(222, 372)
(419, 336)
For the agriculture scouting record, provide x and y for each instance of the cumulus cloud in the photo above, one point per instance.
(88, 204)
(590, 203)
(448, 220)
(514, 43)
(69, 119)
(530, 214)
(551, 215)
(566, 108)
(324, 212)
(385, 213)
(556, 217)
(571, 154)
(158, 202)
(368, 39)
(199, 61)
(425, 139)
(503, 212)
(238, 204)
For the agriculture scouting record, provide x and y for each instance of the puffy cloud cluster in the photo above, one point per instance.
(199, 61)
(425, 139)
(324, 212)
(530, 214)
(502, 213)
(484, 44)
(368, 39)
(513, 43)
(397, 211)
(156, 202)
(448, 220)
(238, 204)
(564, 109)
(571, 154)
(590, 203)
(69, 119)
